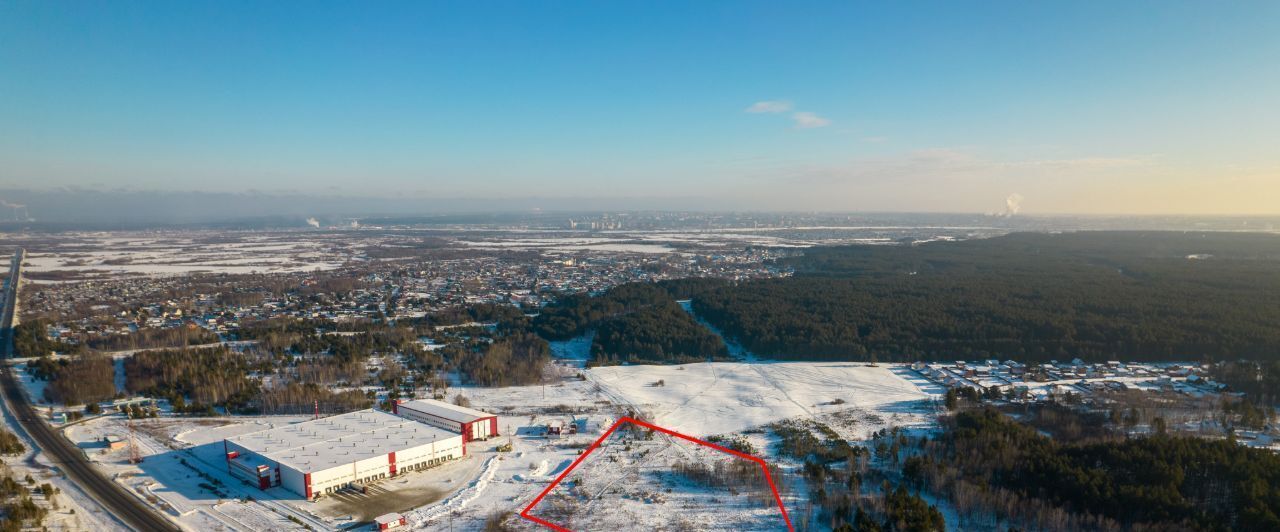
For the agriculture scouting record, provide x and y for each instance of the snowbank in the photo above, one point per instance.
(423, 516)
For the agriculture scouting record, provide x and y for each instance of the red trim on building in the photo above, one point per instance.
(493, 420)
(306, 481)
(493, 426)
(430, 415)
(391, 457)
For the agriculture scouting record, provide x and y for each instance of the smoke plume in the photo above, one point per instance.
(313, 222)
(1012, 204)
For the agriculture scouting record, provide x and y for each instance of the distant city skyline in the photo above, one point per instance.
(1081, 107)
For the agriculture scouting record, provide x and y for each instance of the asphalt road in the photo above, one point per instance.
(129, 509)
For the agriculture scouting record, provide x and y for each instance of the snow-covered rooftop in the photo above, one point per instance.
(338, 440)
(443, 410)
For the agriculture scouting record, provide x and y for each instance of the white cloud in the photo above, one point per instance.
(807, 120)
(802, 119)
(770, 106)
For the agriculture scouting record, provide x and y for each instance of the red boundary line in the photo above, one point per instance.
(763, 466)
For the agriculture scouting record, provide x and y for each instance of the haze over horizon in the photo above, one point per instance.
(1083, 107)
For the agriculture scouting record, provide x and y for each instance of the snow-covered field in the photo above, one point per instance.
(77, 256)
(623, 244)
(715, 398)
(633, 482)
(183, 474)
(97, 255)
(695, 399)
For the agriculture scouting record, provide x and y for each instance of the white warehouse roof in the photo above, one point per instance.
(339, 440)
(441, 409)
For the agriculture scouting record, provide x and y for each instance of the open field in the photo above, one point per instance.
(642, 480)
(75, 256)
(715, 398)
(183, 473)
(695, 399)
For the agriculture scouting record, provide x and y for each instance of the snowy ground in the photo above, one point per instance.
(716, 398)
(695, 399)
(75, 510)
(184, 475)
(73, 256)
(576, 350)
(633, 483)
(109, 254)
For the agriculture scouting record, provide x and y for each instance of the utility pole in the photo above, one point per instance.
(135, 455)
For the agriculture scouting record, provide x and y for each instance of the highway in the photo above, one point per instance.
(129, 509)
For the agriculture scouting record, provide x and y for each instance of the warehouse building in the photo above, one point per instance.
(471, 423)
(319, 457)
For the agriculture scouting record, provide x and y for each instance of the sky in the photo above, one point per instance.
(1084, 107)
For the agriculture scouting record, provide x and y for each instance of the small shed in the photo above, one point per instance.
(389, 521)
(114, 442)
(555, 428)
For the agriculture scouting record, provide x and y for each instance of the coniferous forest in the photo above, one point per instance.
(1033, 297)
(985, 460)
(507, 361)
(1140, 296)
(635, 323)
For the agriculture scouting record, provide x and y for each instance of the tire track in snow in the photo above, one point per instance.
(774, 383)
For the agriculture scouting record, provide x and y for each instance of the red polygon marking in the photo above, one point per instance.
(763, 466)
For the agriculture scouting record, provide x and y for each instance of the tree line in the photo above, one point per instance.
(82, 378)
(193, 380)
(1149, 296)
(17, 510)
(512, 360)
(1096, 296)
(983, 459)
(154, 338)
(1259, 380)
(662, 333)
(842, 488)
(31, 339)
(638, 323)
(306, 397)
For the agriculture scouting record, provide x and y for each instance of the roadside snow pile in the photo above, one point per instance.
(458, 501)
(535, 474)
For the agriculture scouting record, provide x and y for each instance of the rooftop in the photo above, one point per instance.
(445, 410)
(339, 440)
(387, 518)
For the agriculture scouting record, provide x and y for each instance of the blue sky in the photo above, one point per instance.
(932, 106)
